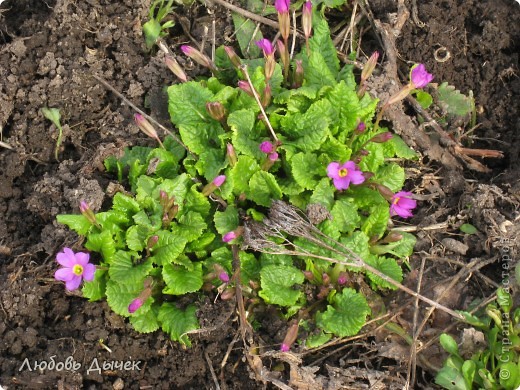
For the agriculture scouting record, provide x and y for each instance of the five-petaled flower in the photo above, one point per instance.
(344, 174)
(420, 77)
(402, 204)
(76, 267)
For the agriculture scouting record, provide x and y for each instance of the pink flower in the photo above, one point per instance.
(402, 205)
(76, 267)
(266, 46)
(224, 277)
(134, 305)
(266, 147)
(420, 77)
(219, 180)
(282, 6)
(273, 156)
(229, 236)
(344, 174)
(284, 348)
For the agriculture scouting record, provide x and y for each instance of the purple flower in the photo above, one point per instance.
(134, 305)
(273, 156)
(219, 180)
(344, 174)
(361, 127)
(284, 348)
(420, 77)
(76, 267)
(229, 236)
(402, 204)
(224, 277)
(266, 46)
(282, 6)
(266, 147)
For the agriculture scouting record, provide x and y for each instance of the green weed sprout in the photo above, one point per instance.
(497, 365)
(282, 181)
(153, 29)
(53, 114)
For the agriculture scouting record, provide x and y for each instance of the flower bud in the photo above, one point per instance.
(233, 57)
(361, 127)
(145, 126)
(266, 46)
(216, 110)
(381, 137)
(152, 241)
(87, 212)
(176, 69)
(270, 65)
(219, 180)
(342, 278)
(198, 57)
(393, 237)
(134, 305)
(403, 92)
(216, 183)
(307, 19)
(369, 66)
(290, 337)
(224, 277)
(385, 191)
(231, 155)
(326, 278)
(267, 147)
(266, 96)
(282, 8)
(228, 294)
(298, 75)
(308, 275)
(244, 86)
(229, 236)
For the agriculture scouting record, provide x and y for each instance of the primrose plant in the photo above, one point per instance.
(279, 171)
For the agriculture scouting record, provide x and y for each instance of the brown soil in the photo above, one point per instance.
(48, 51)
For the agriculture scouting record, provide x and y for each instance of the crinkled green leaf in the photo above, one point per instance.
(179, 280)
(347, 314)
(95, 289)
(201, 243)
(387, 266)
(123, 270)
(277, 284)
(169, 248)
(197, 202)
(317, 73)
(247, 33)
(391, 175)
(323, 193)
(357, 242)
(145, 187)
(376, 223)
(246, 139)
(164, 163)
(264, 188)
(136, 237)
(210, 163)
(177, 322)
(187, 107)
(249, 267)
(126, 204)
(321, 42)
(242, 172)
(306, 169)
(103, 243)
(345, 218)
(451, 379)
(375, 157)
(76, 222)
(145, 321)
(404, 247)
(346, 103)
(119, 295)
(177, 187)
(227, 220)
(190, 226)
(317, 340)
(364, 196)
(453, 101)
(401, 149)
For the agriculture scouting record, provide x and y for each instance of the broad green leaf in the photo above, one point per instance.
(112, 220)
(451, 379)
(375, 157)
(187, 107)
(210, 163)
(136, 237)
(103, 243)
(180, 280)
(122, 269)
(404, 247)
(164, 163)
(168, 249)
(317, 340)
(401, 149)
(424, 99)
(227, 220)
(347, 314)
(449, 344)
(197, 202)
(249, 267)
(509, 375)
(345, 218)
(190, 226)
(201, 243)
(177, 322)
(306, 169)
(146, 321)
(125, 204)
(390, 175)
(376, 223)
(264, 188)
(453, 101)
(323, 194)
(76, 222)
(247, 34)
(321, 42)
(246, 139)
(95, 289)
(145, 187)
(119, 296)
(387, 266)
(468, 228)
(277, 284)
(346, 103)
(357, 242)
(317, 73)
(242, 172)
(364, 197)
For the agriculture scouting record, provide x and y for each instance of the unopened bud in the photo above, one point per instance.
(298, 75)
(231, 155)
(87, 212)
(216, 110)
(152, 241)
(176, 69)
(134, 305)
(244, 86)
(145, 126)
(308, 275)
(229, 236)
(369, 66)
(361, 127)
(215, 183)
(307, 19)
(342, 278)
(198, 57)
(267, 147)
(266, 96)
(326, 278)
(385, 192)
(270, 65)
(290, 337)
(224, 277)
(404, 92)
(228, 294)
(233, 57)
(393, 237)
(381, 137)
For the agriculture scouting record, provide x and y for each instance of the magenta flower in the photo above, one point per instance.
(420, 77)
(223, 276)
(402, 204)
(266, 46)
(219, 180)
(266, 147)
(273, 156)
(344, 174)
(282, 6)
(229, 236)
(134, 305)
(76, 267)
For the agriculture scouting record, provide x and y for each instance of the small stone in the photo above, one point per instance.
(118, 384)
(455, 246)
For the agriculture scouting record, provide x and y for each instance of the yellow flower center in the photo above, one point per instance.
(77, 270)
(396, 200)
(343, 172)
